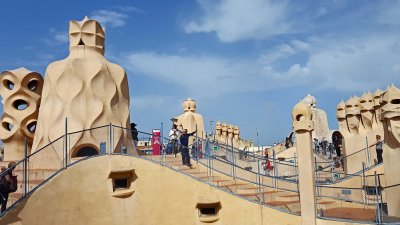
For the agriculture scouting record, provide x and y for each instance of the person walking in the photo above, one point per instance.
(330, 147)
(184, 139)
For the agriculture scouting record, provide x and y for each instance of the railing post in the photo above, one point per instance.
(364, 184)
(368, 153)
(275, 166)
(66, 143)
(233, 160)
(25, 177)
(378, 211)
(316, 176)
(381, 200)
(162, 142)
(110, 138)
(259, 179)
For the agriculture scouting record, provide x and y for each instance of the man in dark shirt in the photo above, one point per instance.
(184, 139)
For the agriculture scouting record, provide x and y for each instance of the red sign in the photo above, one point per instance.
(156, 142)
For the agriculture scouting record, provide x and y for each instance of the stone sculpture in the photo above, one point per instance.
(191, 120)
(390, 112)
(341, 117)
(88, 90)
(321, 128)
(367, 111)
(20, 90)
(377, 107)
(236, 137)
(353, 115)
(230, 134)
(303, 126)
(224, 137)
(310, 101)
(218, 130)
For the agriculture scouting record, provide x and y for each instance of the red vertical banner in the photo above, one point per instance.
(156, 142)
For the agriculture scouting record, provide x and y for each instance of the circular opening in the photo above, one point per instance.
(32, 127)
(20, 104)
(7, 126)
(86, 151)
(395, 101)
(8, 84)
(32, 85)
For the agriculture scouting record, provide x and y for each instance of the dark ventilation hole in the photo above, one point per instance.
(208, 211)
(20, 104)
(8, 84)
(395, 101)
(299, 117)
(86, 151)
(32, 127)
(32, 85)
(121, 183)
(81, 42)
(7, 126)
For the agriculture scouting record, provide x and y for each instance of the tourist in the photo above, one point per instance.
(266, 166)
(8, 184)
(316, 146)
(338, 150)
(184, 139)
(379, 149)
(173, 139)
(330, 148)
(3, 189)
(324, 146)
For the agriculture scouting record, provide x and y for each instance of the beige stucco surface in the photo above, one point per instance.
(82, 194)
(18, 88)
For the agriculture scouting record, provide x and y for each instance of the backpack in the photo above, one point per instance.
(4, 187)
(13, 186)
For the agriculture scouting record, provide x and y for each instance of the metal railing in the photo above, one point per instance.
(217, 160)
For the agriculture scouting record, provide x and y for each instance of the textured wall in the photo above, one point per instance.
(83, 194)
(20, 90)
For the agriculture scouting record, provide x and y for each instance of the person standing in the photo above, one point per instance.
(184, 139)
(379, 149)
(173, 139)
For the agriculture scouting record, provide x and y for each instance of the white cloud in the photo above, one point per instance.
(145, 102)
(128, 9)
(360, 64)
(57, 37)
(235, 20)
(283, 51)
(345, 65)
(207, 76)
(109, 17)
(321, 11)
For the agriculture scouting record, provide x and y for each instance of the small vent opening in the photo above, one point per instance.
(86, 151)
(121, 183)
(208, 211)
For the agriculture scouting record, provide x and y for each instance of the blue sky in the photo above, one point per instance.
(244, 62)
